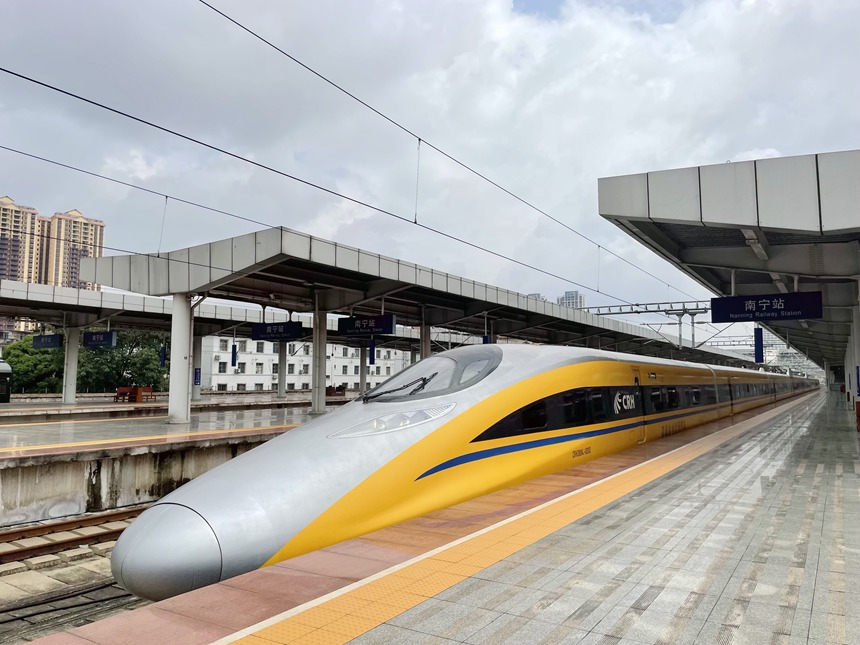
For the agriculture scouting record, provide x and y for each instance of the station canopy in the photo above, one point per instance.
(769, 226)
(283, 269)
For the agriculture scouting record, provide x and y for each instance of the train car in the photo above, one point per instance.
(454, 426)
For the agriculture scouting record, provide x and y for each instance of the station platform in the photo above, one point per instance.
(72, 434)
(103, 406)
(744, 532)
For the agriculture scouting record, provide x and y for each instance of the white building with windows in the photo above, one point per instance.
(256, 365)
(572, 299)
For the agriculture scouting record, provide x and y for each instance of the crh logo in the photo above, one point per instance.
(623, 402)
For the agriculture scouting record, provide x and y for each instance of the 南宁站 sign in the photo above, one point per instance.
(366, 325)
(99, 339)
(48, 341)
(796, 305)
(276, 331)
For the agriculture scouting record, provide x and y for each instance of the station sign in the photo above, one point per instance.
(93, 339)
(277, 331)
(366, 325)
(48, 341)
(796, 305)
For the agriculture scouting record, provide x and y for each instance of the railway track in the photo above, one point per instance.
(20, 543)
(46, 614)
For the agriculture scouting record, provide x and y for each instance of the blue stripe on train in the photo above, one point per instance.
(549, 441)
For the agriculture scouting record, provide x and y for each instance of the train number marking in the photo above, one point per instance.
(581, 452)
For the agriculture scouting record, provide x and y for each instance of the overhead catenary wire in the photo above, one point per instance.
(220, 211)
(271, 169)
(216, 210)
(445, 154)
(269, 225)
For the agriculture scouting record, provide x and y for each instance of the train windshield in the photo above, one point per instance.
(454, 370)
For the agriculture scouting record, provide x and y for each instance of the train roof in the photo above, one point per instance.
(584, 354)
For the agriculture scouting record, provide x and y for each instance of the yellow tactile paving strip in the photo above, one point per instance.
(349, 612)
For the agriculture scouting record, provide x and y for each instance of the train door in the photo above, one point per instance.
(637, 381)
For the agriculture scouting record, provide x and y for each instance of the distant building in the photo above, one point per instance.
(537, 296)
(256, 366)
(22, 233)
(44, 250)
(72, 237)
(572, 299)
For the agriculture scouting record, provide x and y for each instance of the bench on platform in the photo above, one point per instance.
(134, 394)
(124, 394)
(144, 394)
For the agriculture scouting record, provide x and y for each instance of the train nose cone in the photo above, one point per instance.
(168, 550)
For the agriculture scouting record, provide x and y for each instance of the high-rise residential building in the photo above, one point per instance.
(44, 250)
(572, 299)
(72, 237)
(22, 233)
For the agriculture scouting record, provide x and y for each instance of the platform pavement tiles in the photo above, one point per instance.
(351, 611)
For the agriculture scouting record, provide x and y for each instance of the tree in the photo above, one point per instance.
(134, 361)
(34, 370)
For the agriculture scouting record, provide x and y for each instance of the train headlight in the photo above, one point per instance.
(393, 422)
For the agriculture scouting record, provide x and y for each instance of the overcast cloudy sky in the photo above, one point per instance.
(541, 96)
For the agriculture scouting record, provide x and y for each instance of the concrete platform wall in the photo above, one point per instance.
(54, 486)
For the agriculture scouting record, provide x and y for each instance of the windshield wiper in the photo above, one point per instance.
(421, 381)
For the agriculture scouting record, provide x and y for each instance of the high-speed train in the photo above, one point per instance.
(453, 426)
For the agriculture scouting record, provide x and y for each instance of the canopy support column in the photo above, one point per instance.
(179, 400)
(318, 381)
(70, 365)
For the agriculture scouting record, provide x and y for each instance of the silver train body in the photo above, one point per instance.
(449, 428)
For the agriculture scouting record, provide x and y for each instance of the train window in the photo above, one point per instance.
(695, 396)
(574, 407)
(709, 394)
(672, 398)
(454, 370)
(656, 400)
(534, 417)
(531, 418)
(473, 369)
(598, 409)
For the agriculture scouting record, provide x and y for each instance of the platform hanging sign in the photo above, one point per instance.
(758, 344)
(366, 325)
(48, 341)
(797, 305)
(277, 331)
(94, 339)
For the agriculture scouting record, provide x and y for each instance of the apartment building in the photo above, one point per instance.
(44, 250)
(257, 365)
(71, 237)
(572, 299)
(22, 232)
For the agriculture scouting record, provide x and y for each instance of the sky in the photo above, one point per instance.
(543, 97)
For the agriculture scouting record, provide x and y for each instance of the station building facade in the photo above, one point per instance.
(256, 367)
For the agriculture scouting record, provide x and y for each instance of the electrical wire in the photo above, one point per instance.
(267, 225)
(420, 139)
(262, 166)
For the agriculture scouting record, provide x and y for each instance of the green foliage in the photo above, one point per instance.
(34, 370)
(134, 361)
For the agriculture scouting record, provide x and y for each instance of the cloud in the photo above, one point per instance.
(541, 101)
